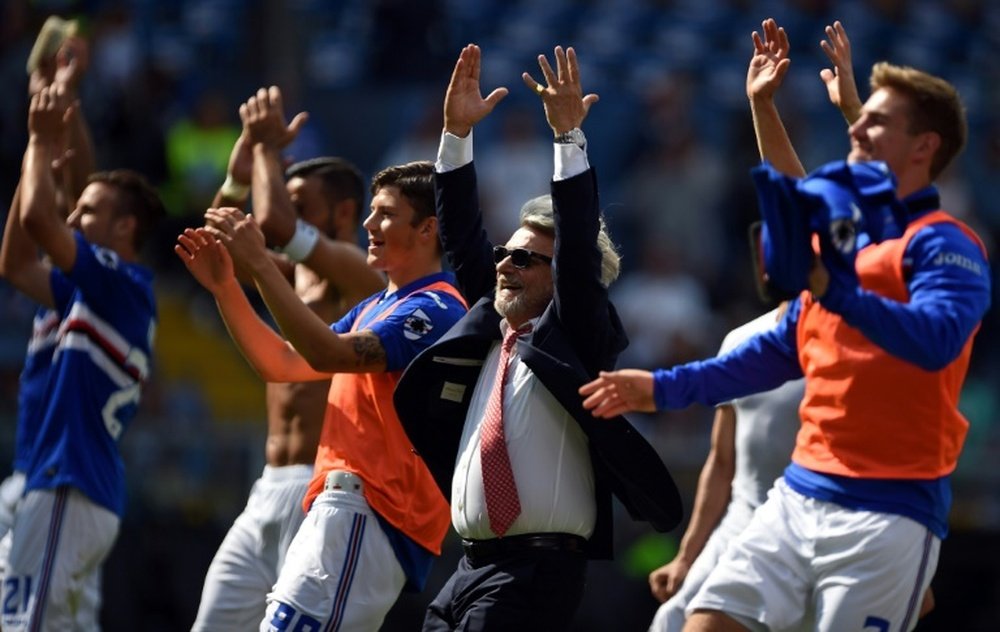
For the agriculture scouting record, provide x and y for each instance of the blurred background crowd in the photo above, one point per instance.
(671, 140)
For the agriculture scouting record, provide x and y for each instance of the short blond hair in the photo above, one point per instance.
(934, 107)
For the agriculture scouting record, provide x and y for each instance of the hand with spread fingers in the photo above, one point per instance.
(616, 392)
(565, 105)
(464, 105)
(263, 117)
(770, 61)
(840, 84)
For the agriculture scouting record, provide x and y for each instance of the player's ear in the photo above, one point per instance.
(346, 213)
(125, 225)
(429, 226)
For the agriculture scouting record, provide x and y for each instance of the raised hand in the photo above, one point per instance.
(565, 105)
(241, 236)
(48, 114)
(263, 117)
(617, 392)
(840, 84)
(770, 61)
(71, 63)
(464, 105)
(205, 258)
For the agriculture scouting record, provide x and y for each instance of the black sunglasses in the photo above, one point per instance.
(520, 257)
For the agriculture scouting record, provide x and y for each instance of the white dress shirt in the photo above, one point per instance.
(548, 451)
(548, 455)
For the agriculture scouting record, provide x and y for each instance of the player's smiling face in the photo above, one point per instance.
(883, 131)
(523, 293)
(392, 237)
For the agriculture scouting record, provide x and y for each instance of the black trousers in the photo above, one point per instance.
(522, 591)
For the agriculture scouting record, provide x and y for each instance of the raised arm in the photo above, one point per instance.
(840, 84)
(71, 64)
(270, 356)
(235, 190)
(19, 262)
(267, 133)
(341, 263)
(324, 350)
(456, 195)
(40, 216)
(767, 70)
(580, 294)
(464, 105)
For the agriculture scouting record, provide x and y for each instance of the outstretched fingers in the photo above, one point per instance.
(550, 76)
(475, 56)
(836, 45)
(572, 66)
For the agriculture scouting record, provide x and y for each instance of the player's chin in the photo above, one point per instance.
(858, 155)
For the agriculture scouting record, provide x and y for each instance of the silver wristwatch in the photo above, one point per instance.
(574, 136)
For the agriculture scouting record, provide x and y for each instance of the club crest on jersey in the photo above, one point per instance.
(843, 234)
(108, 258)
(417, 325)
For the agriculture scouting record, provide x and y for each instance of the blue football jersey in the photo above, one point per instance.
(101, 359)
(31, 388)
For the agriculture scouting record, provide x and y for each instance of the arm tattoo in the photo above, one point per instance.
(368, 349)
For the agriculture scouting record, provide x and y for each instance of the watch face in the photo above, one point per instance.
(574, 136)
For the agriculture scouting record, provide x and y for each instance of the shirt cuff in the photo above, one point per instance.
(453, 152)
(661, 384)
(570, 161)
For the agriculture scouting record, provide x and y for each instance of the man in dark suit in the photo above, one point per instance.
(528, 472)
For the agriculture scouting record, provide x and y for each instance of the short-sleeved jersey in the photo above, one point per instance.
(766, 424)
(101, 359)
(361, 432)
(31, 388)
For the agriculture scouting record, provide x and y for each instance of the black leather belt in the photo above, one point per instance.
(479, 551)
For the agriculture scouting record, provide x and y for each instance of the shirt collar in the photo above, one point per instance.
(922, 201)
(447, 277)
(505, 326)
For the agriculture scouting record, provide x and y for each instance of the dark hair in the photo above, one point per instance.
(137, 198)
(415, 181)
(934, 107)
(341, 179)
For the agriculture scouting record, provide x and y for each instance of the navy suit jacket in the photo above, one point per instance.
(578, 335)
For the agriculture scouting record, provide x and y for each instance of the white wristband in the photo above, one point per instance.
(233, 190)
(301, 245)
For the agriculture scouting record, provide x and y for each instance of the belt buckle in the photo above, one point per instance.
(340, 480)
